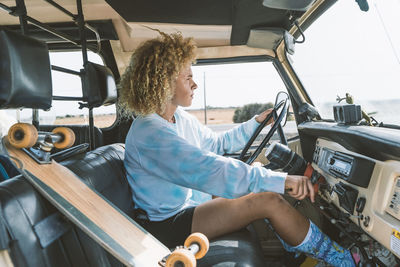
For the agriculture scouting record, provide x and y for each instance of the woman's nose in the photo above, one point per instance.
(194, 86)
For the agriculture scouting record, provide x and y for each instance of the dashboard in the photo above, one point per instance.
(367, 189)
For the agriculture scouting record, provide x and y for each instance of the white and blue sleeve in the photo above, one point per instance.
(172, 158)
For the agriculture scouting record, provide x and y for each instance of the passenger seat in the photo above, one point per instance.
(38, 235)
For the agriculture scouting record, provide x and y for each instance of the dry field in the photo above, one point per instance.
(101, 121)
(214, 116)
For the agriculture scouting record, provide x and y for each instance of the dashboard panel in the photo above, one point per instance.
(367, 189)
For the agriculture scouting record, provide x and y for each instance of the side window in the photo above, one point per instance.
(228, 94)
(64, 84)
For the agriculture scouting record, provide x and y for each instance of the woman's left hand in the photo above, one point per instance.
(261, 117)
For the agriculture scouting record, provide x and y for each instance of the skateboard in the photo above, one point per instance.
(121, 236)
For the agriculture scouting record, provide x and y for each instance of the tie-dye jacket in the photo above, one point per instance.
(165, 161)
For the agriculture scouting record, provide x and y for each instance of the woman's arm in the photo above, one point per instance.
(166, 155)
(232, 140)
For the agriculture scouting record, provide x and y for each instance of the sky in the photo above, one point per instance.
(371, 62)
(346, 50)
(370, 69)
(360, 51)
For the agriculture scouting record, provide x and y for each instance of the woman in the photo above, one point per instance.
(169, 153)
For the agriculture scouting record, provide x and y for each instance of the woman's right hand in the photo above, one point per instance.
(263, 115)
(299, 187)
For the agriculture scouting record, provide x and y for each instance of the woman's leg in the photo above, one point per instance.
(220, 216)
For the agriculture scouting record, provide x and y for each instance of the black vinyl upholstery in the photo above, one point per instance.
(22, 209)
(24, 84)
(99, 88)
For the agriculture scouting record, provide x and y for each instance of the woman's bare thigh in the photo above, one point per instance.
(221, 216)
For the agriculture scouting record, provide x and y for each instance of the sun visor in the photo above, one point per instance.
(270, 38)
(25, 74)
(297, 5)
(267, 38)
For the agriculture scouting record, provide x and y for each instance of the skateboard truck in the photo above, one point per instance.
(38, 145)
(195, 247)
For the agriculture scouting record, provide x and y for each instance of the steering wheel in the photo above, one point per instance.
(283, 104)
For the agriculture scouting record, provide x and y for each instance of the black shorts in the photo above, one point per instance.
(173, 231)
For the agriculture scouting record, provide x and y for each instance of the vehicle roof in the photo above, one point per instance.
(221, 28)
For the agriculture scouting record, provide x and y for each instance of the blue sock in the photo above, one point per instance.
(319, 246)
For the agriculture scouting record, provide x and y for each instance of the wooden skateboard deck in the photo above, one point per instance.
(96, 216)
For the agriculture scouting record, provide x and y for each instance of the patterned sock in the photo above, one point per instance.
(319, 246)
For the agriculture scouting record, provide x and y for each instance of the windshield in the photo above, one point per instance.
(350, 51)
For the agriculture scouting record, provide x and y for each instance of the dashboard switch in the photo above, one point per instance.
(360, 204)
(347, 196)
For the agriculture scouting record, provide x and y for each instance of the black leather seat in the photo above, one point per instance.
(27, 227)
(24, 212)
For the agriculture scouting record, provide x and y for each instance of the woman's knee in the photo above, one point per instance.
(274, 199)
(267, 202)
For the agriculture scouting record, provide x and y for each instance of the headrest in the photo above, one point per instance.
(99, 88)
(25, 75)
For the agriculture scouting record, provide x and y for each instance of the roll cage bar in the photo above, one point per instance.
(19, 10)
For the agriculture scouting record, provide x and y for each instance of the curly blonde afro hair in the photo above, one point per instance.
(148, 82)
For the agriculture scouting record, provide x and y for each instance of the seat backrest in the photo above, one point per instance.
(35, 232)
(103, 169)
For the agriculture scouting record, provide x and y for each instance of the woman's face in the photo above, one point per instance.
(184, 88)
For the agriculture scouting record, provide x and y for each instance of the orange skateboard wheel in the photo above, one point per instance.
(181, 257)
(67, 137)
(201, 240)
(22, 135)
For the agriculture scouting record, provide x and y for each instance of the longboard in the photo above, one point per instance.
(95, 215)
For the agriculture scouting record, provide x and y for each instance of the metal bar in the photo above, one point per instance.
(82, 33)
(61, 69)
(74, 17)
(67, 98)
(61, 8)
(61, 35)
(98, 38)
(21, 12)
(50, 30)
(91, 130)
(6, 8)
(35, 118)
